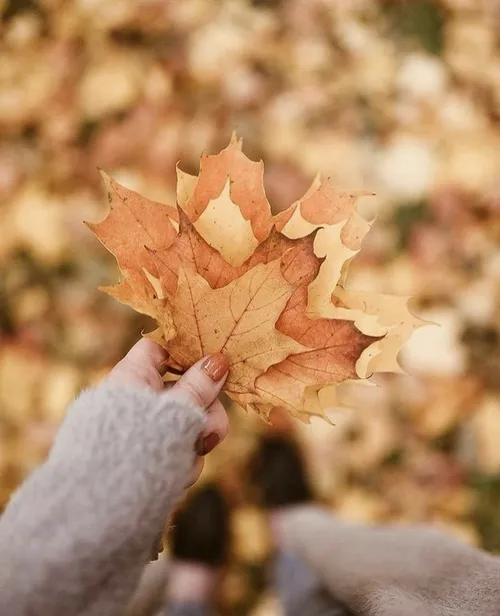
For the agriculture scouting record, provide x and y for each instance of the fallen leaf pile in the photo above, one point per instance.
(222, 274)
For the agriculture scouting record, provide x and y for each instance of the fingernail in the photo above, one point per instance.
(205, 445)
(215, 366)
(163, 367)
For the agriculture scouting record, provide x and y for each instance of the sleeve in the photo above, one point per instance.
(410, 570)
(75, 537)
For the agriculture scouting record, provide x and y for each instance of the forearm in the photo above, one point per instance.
(77, 534)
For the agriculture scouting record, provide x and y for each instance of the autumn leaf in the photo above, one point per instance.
(133, 223)
(322, 205)
(299, 267)
(237, 319)
(221, 274)
(227, 202)
(133, 227)
(190, 247)
(393, 318)
(340, 233)
(333, 346)
(136, 291)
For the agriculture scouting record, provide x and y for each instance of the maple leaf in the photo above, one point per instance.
(133, 223)
(386, 315)
(190, 247)
(143, 293)
(226, 180)
(237, 319)
(341, 230)
(134, 226)
(331, 346)
(222, 274)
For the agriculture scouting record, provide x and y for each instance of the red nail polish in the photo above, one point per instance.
(206, 445)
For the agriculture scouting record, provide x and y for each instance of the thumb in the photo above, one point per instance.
(202, 383)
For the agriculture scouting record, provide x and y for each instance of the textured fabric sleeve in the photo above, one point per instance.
(77, 534)
(415, 571)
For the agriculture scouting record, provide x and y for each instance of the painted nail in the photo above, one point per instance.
(205, 445)
(215, 366)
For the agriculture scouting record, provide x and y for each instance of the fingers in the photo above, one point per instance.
(146, 352)
(141, 365)
(202, 383)
(216, 428)
(215, 431)
(199, 386)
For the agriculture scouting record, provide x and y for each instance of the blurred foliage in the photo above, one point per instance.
(406, 217)
(420, 21)
(401, 98)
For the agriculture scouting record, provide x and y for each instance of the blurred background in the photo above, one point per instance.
(402, 98)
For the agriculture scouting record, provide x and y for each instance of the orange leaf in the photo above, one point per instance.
(333, 348)
(341, 233)
(246, 187)
(133, 222)
(189, 247)
(238, 320)
(267, 291)
(299, 266)
(321, 205)
(336, 344)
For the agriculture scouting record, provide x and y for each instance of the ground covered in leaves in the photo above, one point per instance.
(400, 98)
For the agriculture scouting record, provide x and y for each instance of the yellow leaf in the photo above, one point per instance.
(246, 187)
(185, 186)
(267, 291)
(394, 319)
(223, 227)
(329, 246)
(238, 320)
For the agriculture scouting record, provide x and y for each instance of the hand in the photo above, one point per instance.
(200, 386)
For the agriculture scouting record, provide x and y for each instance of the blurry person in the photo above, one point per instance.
(76, 536)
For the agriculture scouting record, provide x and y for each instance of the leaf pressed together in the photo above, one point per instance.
(332, 347)
(267, 291)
